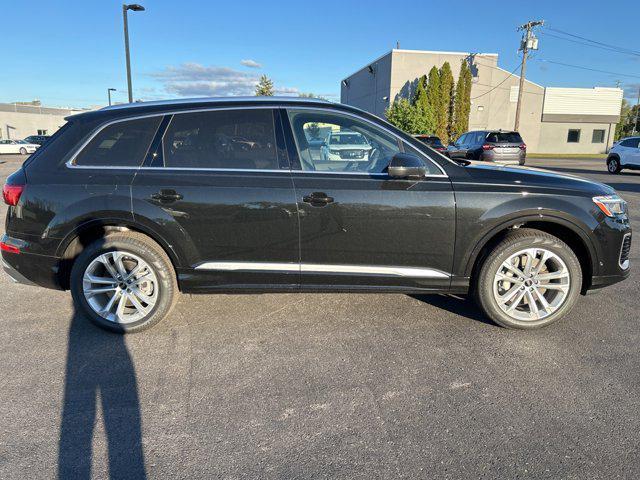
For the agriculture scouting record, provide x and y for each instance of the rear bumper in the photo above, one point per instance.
(508, 159)
(30, 268)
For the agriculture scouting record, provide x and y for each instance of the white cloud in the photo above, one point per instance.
(195, 80)
(251, 63)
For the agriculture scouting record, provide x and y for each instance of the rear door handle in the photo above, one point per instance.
(317, 199)
(167, 196)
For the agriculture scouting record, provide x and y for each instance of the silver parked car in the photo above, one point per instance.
(490, 146)
(346, 146)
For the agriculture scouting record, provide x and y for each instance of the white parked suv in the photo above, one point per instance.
(346, 146)
(624, 154)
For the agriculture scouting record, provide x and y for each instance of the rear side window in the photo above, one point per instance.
(504, 137)
(229, 139)
(122, 144)
(630, 142)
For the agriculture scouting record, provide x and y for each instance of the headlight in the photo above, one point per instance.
(611, 205)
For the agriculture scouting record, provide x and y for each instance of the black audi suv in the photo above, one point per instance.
(129, 205)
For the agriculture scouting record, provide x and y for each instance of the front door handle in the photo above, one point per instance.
(167, 196)
(317, 199)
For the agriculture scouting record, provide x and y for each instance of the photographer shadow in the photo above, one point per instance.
(99, 369)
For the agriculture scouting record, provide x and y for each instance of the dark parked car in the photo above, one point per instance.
(432, 141)
(490, 146)
(37, 139)
(129, 205)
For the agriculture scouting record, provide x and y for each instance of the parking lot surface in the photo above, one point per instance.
(324, 386)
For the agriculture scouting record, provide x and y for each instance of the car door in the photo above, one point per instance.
(360, 228)
(4, 147)
(458, 147)
(632, 152)
(220, 188)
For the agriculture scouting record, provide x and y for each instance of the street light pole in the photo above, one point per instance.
(125, 8)
(635, 123)
(109, 90)
(529, 42)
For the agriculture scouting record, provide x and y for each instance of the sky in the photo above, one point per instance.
(68, 52)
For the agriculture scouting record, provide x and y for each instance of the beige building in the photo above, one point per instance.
(553, 120)
(20, 120)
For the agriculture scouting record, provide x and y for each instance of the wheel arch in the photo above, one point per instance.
(568, 232)
(85, 234)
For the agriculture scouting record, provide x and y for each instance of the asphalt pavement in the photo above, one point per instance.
(324, 385)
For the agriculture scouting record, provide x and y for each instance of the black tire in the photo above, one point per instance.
(148, 250)
(23, 151)
(512, 243)
(613, 165)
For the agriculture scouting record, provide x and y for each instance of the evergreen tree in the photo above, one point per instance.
(433, 97)
(445, 106)
(405, 116)
(264, 88)
(424, 108)
(462, 105)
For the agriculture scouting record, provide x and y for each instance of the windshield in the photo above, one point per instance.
(504, 137)
(347, 139)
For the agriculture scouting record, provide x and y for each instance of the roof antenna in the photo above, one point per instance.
(397, 45)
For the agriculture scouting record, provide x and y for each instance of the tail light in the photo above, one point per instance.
(488, 146)
(523, 146)
(5, 247)
(11, 194)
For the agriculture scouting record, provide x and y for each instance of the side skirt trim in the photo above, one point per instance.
(413, 272)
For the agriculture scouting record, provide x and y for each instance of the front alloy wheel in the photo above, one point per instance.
(528, 280)
(613, 165)
(531, 284)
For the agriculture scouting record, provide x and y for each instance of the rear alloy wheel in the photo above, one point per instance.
(613, 165)
(124, 282)
(23, 151)
(529, 280)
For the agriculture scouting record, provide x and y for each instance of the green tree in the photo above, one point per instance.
(264, 88)
(404, 115)
(311, 95)
(462, 104)
(433, 96)
(445, 105)
(423, 108)
(621, 127)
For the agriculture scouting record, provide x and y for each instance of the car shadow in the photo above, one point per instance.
(460, 305)
(99, 370)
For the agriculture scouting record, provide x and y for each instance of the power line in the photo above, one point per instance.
(498, 85)
(621, 49)
(591, 69)
(609, 49)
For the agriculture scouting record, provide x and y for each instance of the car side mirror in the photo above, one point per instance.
(405, 165)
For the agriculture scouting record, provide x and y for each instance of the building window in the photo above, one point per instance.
(598, 136)
(573, 136)
(42, 132)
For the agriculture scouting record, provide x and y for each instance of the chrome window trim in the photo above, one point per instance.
(69, 163)
(624, 265)
(393, 271)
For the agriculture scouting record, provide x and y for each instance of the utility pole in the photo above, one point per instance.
(529, 42)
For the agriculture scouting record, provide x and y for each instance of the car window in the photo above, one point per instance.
(122, 144)
(462, 139)
(347, 144)
(504, 137)
(630, 142)
(233, 139)
(479, 138)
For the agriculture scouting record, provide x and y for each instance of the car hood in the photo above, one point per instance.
(510, 175)
(351, 146)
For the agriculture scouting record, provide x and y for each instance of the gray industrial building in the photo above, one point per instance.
(553, 120)
(19, 120)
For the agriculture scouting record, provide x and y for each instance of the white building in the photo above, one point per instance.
(19, 120)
